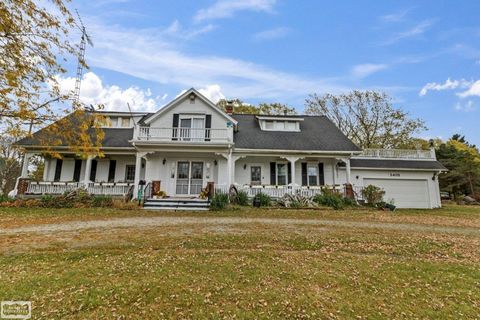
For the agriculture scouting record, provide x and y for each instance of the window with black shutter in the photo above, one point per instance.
(321, 175)
(58, 170)
(304, 174)
(208, 125)
(273, 174)
(175, 127)
(93, 171)
(111, 170)
(77, 169)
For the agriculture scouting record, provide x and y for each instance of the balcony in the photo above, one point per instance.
(195, 135)
(398, 154)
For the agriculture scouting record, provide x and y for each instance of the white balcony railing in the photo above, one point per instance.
(398, 153)
(55, 188)
(184, 134)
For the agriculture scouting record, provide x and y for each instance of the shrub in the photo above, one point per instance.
(101, 201)
(349, 202)
(241, 198)
(265, 199)
(373, 195)
(219, 201)
(6, 199)
(122, 205)
(330, 198)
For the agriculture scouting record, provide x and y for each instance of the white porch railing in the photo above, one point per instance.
(184, 134)
(54, 188)
(280, 191)
(398, 153)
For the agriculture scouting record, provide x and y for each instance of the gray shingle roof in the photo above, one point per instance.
(317, 133)
(397, 164)
(114, 138)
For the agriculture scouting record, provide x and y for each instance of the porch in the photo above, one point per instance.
(58, 188)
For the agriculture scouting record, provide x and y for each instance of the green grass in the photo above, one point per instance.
(245, 271)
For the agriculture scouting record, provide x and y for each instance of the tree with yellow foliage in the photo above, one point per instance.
(34, 40)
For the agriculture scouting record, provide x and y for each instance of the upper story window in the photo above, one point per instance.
(269, 123)
(117, 122)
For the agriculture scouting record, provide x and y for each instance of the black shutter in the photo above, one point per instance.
(175, 126)
(208, 125)
(111, 170)
(304, 174)
(93, 171)
(321, 176)
(289, 172)
(273, 175)
(77, 170)
(58, 170)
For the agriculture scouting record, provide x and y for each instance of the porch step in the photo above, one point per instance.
(176, 204)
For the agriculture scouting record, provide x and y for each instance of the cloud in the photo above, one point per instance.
(473, 90)
(466, 107)
(416, 30)
(153, 56)
(176, 30)
(448, 85)
(366, 69)
(271, 34)
(395, 17)
(227, 8)
(212, 92)
(93, 91)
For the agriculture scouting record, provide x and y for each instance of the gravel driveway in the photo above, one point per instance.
(139, 222)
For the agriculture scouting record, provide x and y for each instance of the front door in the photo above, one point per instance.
(189, 177)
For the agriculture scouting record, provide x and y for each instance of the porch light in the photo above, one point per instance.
(164, 161)
(215, 162)
(245, 166)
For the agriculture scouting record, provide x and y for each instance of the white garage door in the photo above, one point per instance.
(405, 193)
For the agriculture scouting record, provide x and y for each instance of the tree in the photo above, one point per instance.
(368, 118)
(33, 41)
(240, 107)
(463, 162)
(9, 165)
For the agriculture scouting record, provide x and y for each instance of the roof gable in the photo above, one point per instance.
(179, 99)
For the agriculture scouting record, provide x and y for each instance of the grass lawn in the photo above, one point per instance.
(245, 271)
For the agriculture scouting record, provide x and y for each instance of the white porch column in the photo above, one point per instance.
(26, 160)
(46, 167)
(231, 170)
(292, 161)
(348, 171)
(88, 170)
(138, 167)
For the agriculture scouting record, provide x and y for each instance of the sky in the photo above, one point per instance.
(424, 54)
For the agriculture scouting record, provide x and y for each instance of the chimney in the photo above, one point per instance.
(229, 107)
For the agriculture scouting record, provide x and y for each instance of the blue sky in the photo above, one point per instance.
(425, 54)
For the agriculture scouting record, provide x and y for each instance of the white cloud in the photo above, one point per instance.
(212, 92)
(469, 106)
(366, 69)
(176, 30)
(227, 8)
(148, 54)
(271, 34)
(395, 17)
(93, 91)
(448, 85)
(473, 90)
(416, 30)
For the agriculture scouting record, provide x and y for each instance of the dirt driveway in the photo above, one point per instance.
(148, 222)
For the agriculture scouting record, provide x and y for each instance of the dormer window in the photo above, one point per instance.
(269, 123)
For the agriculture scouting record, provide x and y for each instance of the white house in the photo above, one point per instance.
(190, 142)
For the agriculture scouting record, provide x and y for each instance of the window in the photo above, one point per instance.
(125, 122)
(269, 125)
(130, 173)
(290, 126)
(281, 174)
(192, 128)
(312, 174)
(256, 175)
(280, 125)
(113, 122)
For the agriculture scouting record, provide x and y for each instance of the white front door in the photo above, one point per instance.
(189, 177)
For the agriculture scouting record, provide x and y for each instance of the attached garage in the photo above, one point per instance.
(409, 183)
(405, 193)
